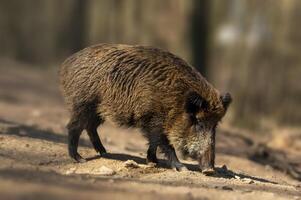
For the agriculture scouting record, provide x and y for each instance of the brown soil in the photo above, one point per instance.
(34, 161)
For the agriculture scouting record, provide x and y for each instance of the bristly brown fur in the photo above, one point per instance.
(135, 86)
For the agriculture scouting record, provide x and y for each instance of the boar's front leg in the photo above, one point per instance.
(152, 153)
(171, 155)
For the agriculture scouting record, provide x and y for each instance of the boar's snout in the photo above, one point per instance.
(206, 160)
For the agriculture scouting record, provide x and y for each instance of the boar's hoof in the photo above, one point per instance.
(208, 171)
(178, 167)
(151, 163)
(77, 158)
(151, 160)
(102, 153)
(183, 169)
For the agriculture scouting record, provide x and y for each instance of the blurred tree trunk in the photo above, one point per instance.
(200, 30)
(76, 32)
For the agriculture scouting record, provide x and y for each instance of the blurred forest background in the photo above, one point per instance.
(249, 48)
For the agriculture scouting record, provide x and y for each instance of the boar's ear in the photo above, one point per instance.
(226, 100)
(194, 102)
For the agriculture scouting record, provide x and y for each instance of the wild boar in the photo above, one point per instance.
(148, 88)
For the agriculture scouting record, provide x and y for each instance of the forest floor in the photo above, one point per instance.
(34, 163)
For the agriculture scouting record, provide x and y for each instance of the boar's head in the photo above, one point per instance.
(194, 131)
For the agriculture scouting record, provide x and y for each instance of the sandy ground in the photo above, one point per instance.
(34, 163)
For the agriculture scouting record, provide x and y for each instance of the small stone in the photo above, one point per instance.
(248, 180)
(131, 164)
(237, 177)
(70, 171)
(104, 171)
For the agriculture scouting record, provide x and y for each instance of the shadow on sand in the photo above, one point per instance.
(220, 172)
(13, 128)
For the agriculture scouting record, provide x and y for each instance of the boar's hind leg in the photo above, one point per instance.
(151, 153)
(171, 155)
(74, 130)
(93, 123)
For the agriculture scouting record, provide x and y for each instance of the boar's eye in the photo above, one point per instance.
(194, 103)
(200, 126)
